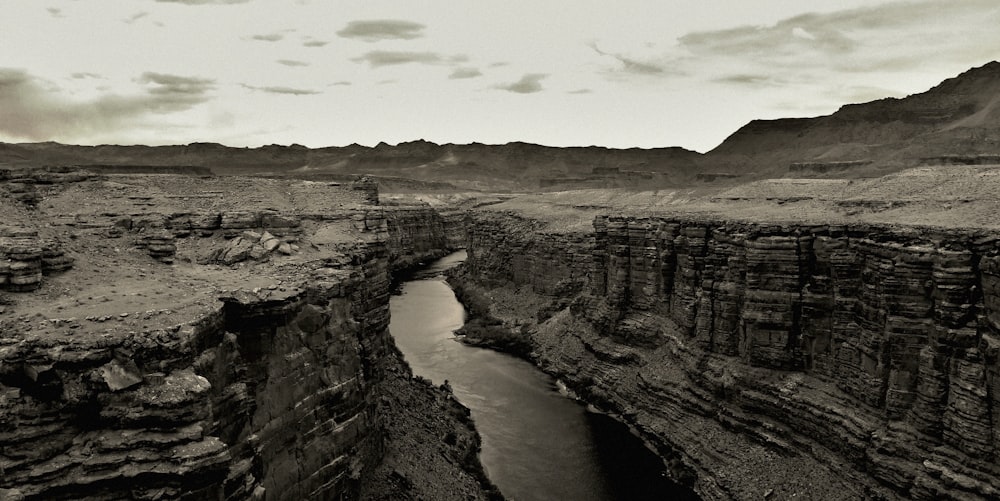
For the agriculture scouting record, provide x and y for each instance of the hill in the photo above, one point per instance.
(960, 117)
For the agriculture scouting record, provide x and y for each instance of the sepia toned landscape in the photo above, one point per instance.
(808, 310)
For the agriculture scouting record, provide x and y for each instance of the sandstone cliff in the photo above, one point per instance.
(776, 360)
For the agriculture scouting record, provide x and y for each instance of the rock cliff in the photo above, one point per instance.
(775, 360)
(209, 407)
(140, 374)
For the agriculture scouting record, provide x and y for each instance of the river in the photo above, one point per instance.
(537, 443)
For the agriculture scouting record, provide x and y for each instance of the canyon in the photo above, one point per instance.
(803, 351)
(811, 310)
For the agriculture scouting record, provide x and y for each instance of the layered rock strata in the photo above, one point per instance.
(416, 234)
(263, 397)
(772, 359)
(274, 380)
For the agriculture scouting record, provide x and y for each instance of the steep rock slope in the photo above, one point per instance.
(784, 360)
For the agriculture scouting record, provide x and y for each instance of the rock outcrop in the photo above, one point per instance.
(25, 258)
(829, 361)
(251, 245)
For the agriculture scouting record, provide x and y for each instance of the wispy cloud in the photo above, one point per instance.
(340, 83)
(173, 92)
(55, 12)
(460, 73)
(580, 91)
(745, 79)
(528, 84)
(378, 58)
(204, 2)
(292, 62)
(282, 90)
(135, 17)
(312, 42)
(888, 37)
(382, 29)
(630, 65)
(81, 75)
(36, 109)
(269, 37)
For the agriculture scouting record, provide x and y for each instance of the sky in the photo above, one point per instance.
(624, 73)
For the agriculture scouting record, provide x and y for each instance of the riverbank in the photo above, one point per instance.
(537, 443)
(432, 446)
(505, 319)
(481, 328)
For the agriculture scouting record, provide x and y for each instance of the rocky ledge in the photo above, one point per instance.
(775, 360)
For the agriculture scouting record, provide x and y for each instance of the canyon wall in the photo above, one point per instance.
(775, 360)
(211, 408)
(416, 234)
(284, 392)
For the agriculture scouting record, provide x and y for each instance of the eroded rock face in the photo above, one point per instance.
(264, 395)
(415, 234)
(276, 392)
(862, 357)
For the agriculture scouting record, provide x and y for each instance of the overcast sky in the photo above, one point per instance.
(576, 72)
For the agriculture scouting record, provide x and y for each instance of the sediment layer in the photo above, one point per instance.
(769, 359)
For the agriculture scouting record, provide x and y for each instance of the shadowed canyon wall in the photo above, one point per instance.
(772, 359)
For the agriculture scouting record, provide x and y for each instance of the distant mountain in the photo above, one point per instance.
(477, 166)
(960, 116)
(957, 121)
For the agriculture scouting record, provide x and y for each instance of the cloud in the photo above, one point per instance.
(580, 91)
(292, 62)
(889, 37)
(80, 75)
(174, 93)
(630, 65)
(314, 43)
(282, 90)
(339, 83)
(382, 29)
(270, 37)
(748, 79)
(204, 2)
(378, 58)
(528, 84)
(460, 73)
(801, 33)
(35, 109)
(135, 17)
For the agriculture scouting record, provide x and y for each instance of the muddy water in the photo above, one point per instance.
(537, 443)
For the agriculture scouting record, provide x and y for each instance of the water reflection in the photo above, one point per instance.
(537, 444)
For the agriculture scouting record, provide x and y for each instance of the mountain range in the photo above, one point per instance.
(957, 121)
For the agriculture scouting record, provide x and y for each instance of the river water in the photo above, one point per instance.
(537, 443)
